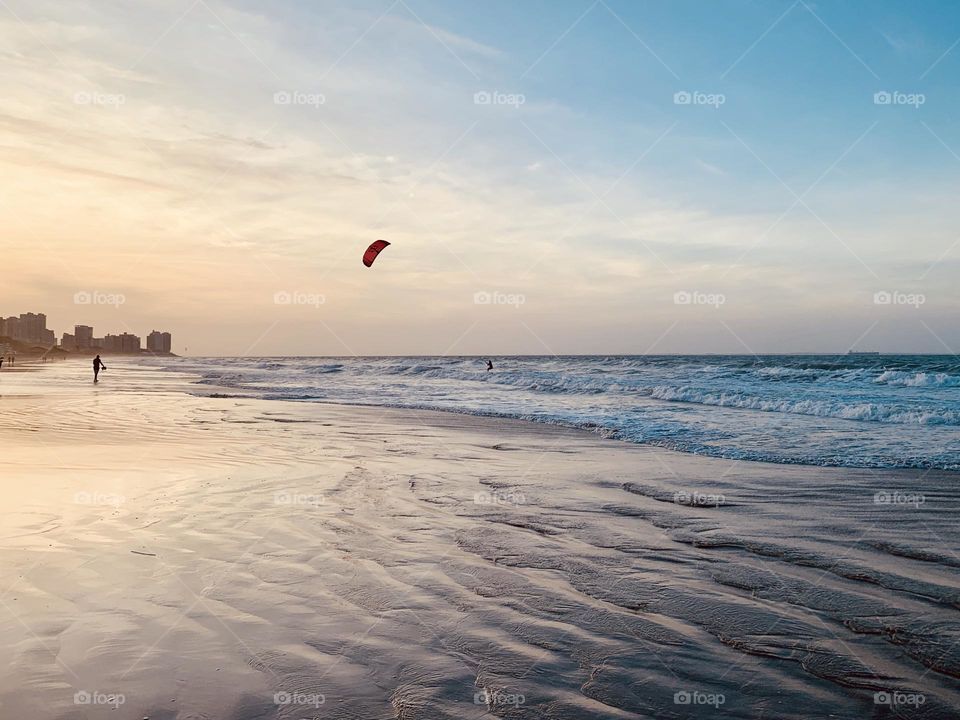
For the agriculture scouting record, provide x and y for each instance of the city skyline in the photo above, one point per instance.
(30, 328)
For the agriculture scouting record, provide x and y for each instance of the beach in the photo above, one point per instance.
(171, 555)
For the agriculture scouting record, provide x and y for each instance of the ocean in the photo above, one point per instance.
(871, 411)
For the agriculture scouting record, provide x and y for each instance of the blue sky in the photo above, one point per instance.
(584, 188)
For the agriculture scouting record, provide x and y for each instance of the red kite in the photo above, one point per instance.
(371, 254)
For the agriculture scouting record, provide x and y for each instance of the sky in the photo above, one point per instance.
(555, 177)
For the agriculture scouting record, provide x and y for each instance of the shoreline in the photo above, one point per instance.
(242, 558)
(224, 392)
(610, 432)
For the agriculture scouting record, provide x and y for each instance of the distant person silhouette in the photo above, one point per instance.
(97, 367)
(489, 366)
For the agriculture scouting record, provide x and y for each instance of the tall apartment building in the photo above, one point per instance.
(123, 343)
(10, 327)
(29, 327)
(83, 335)
(158, 341)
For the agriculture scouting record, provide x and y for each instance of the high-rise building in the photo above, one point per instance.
(123, 343)
(68, 342)
(11, 327)
(158, 341)
(32, 327)
(84, 336)
(29, 327)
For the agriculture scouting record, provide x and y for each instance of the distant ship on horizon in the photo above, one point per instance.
(863, 352)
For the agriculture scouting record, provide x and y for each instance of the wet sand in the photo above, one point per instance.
(172, 556)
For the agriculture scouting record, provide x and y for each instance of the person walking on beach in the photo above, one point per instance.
(97, 367)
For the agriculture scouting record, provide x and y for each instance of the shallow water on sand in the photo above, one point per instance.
(241, 558)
